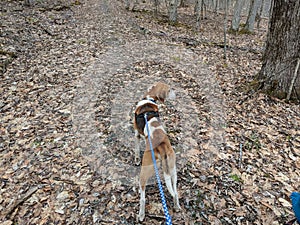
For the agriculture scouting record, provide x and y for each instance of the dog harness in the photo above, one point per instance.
(140, 119)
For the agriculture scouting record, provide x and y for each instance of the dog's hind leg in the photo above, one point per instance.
(171, 181)
(169, 185)
(174, 182)
(137, 158)
(142, 202)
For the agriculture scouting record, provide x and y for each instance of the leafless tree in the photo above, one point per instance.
(259, 13)
(172, 9)
(28, 2)
(238, 7)
(225, 29)
(200, 11)
(255, 4)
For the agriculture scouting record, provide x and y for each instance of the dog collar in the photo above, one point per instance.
(150, 99)
(146, 101)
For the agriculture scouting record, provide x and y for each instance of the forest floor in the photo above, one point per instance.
(72, 71)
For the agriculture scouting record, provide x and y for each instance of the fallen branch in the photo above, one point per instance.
(266, 205)
(191, 42)
(291, 222)
(55, 8)
(156, 216)
(46, 30)
(241, 155)
(20, 201)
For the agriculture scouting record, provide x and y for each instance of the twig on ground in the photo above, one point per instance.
(241, 155)
(21, 200)
(291, 222)
(46, 30)
(156, 216)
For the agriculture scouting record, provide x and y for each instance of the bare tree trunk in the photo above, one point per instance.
(252, 14)
(259, 13)
(173, 4)
(203, 9)
(197, 11)
(216, 6)
(182, 3)
(225, 29)
(279, 69)
(156, 4)
(235, 23)
(228, 5)
(28, 2)
(127, 4)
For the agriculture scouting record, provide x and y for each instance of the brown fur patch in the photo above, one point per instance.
(159, 92)
(155, 124)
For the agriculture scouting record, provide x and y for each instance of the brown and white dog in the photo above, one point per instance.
(163, 151)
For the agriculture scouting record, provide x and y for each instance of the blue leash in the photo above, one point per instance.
(161, 191)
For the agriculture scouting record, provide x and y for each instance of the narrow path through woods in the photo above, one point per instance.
(109, 84)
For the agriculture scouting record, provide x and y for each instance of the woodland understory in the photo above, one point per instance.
(71, 73)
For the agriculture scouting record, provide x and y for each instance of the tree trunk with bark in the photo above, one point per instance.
(252, 15)
(183, 4)
(225, 28)
(235, 23)
(28, 2)
(197, 11)
(280, 71)
(156, 4)
(216, 6)
(173, 4)
(259, 14)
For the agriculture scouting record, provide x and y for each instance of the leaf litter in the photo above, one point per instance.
(47, 179)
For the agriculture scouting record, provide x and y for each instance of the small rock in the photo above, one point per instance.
(81, 201)
(60, 211)
(96, 183)
(63, 196)
(202, 178)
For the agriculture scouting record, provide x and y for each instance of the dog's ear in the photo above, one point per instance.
(159, 92)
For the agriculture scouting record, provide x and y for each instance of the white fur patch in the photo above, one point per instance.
(152, 128)
(169, 185)
(172, 95)
(145, 101)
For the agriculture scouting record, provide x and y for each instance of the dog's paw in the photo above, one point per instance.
(137, 160)
(141, 217)
(177, 208)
